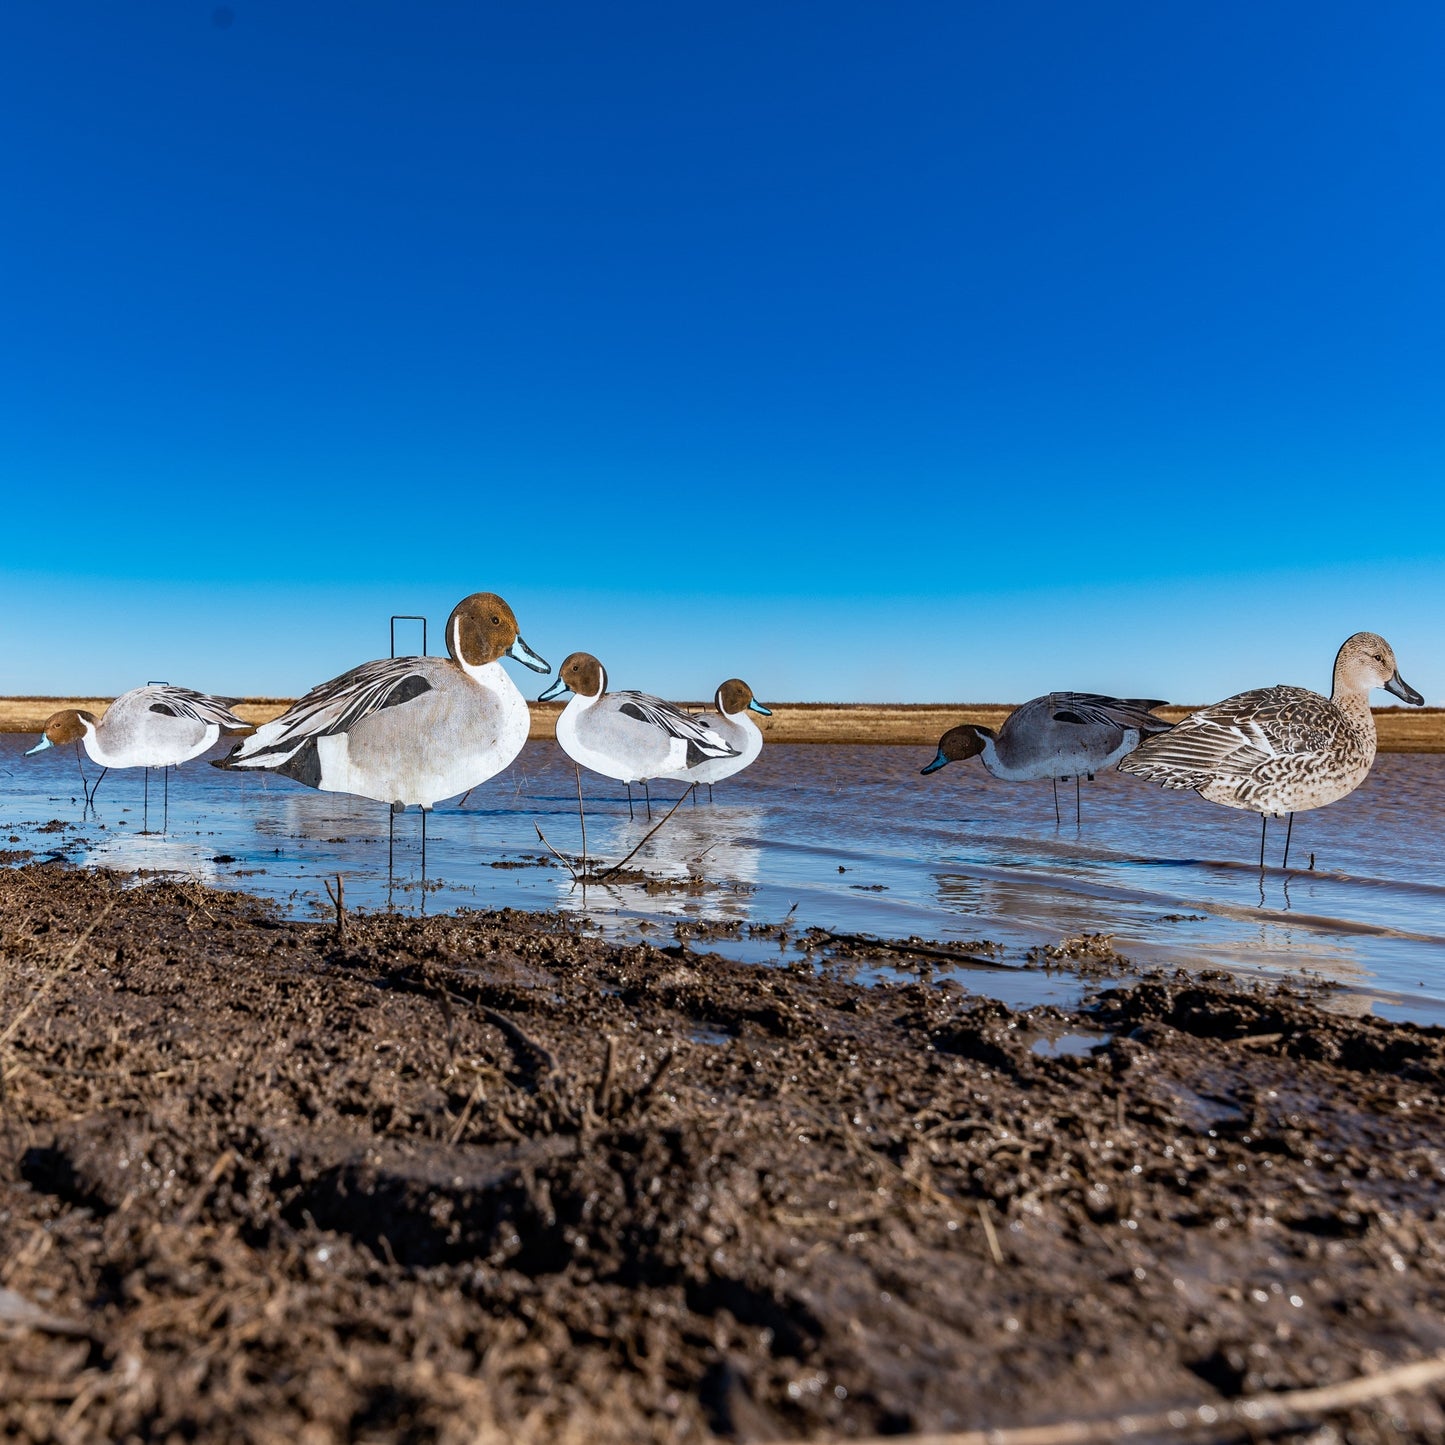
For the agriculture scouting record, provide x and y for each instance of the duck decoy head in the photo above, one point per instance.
(1366, 660)
(580, 673)
(964, 741)
(66, 726)
(483, 629)
(735, 696)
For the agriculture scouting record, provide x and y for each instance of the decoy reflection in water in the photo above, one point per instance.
(159, 725)
(408, 730)
(1277, 750)
(1060, 735)
(630, 736)
(733, 700)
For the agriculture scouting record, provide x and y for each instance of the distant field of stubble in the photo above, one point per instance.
(1401, 730)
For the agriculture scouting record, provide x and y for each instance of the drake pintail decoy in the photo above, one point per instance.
(733, 700)
(1059, 735)
(630, 736)
(159, 725)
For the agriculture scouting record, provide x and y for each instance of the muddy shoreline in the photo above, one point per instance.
(486, 1177)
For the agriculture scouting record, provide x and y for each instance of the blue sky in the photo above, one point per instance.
(929, 350)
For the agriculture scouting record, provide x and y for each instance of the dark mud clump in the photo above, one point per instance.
(485, 1178)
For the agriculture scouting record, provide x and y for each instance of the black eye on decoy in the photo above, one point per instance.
(496, 622)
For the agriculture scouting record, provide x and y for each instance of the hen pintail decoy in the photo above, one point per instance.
(1282, 749)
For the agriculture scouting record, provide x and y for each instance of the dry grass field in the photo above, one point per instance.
(1402, 730)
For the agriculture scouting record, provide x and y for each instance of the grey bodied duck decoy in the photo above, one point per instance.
(1059, 735)
(1277, 750)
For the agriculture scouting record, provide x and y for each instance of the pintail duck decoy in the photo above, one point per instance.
(159, 725)
(629, 736)
(1059, 735)
(407, 730)
(733, 700)
(1277, 750)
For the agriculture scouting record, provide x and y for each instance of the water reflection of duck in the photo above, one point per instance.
(1277, 750)
(1059, 735)
(715, 849)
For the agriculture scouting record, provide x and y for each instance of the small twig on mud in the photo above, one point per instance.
(519, 1038)
(643, 1097)
(603, 1095)
(988, 1230)
(1222, 1420)
(35, 998)
(922, 949)
(338, 901)
(543, 837)
(473, 1099)
(602, 877)
(213, 1177)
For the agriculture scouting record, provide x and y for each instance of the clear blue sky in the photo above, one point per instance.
(918, 350)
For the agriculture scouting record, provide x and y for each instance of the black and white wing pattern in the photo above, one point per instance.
(333, 707)
(702, 742)
(171, 701)
(1234, 738)
(1097, 710)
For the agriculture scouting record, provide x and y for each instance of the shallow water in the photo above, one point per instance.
(850, 839)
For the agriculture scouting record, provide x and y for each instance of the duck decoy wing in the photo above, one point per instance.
(1234, 738)
(1093, 709)
(333, 707)
(702, 742)
(171, 701)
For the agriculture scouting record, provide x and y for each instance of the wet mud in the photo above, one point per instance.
(486, 1177)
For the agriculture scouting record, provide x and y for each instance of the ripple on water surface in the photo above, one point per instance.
(849, 839)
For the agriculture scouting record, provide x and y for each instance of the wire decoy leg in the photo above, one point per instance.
(96, 785)
(630, 813)
(1287, 833)
(1263, 829)
(647, 793)
(1078, 803)
(709, 792)
(1057, 818)
(423, 859)
(582, 814)
(390, 850)
(166, 806)
(145, 814)
(694, 797)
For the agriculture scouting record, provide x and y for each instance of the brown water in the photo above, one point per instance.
(846, 838)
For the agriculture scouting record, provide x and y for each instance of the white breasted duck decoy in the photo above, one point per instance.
(155, 726)
(733, 700)
(629, 736)
(1282, 749)
(1059, 735)
(407, 730)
